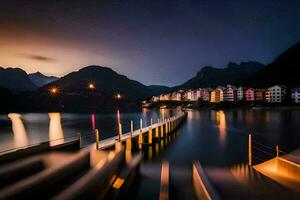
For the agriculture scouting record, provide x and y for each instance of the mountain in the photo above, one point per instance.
(105, 79)
(15, 79)
(40, 79)
(74, 95)
(283, 70)
(232, 74)
(159, 89)
(6, 100)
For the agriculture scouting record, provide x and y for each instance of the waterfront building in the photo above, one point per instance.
(168, 97)
(249, 94)
(295, 92)
(155, 99)
(198, 94)
(162, 97)
(176, 96)
(259, 94)
(217, 95)
(190, 95)
(240, 94)
(277, 93)
(267, 95)
(230, 93)
(206, 94)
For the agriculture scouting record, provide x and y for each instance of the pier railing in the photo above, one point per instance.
(155, 130)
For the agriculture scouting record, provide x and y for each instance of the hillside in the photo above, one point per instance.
(232, 74)
(283, 70)
(159, 89)
(40, 79)
(74, 95)
(104, 79)
(15, 79)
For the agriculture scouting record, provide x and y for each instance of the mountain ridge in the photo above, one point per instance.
(233, 73)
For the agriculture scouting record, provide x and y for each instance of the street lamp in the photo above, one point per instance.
(92, 86)
(118, 96)
(54, 90)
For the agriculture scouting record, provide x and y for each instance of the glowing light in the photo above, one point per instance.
(221, 119)
(118, 183)
(118, 96)
(92, 86)
(54, 90)
(56, 135)
(20, 135)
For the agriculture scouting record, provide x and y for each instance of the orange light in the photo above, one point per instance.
(118, 96)
(54, 90)
(91, 86)
(118, 183)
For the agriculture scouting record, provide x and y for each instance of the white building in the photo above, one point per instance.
(198, 93)
(277, 93)
(295, 95)
(230, 93)
(190, 94)
(240, 94)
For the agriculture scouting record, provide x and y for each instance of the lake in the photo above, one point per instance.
(213, 137)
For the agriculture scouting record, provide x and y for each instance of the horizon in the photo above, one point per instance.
(153, 84)
(141, 38)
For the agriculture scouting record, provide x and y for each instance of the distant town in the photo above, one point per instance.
(231, 93)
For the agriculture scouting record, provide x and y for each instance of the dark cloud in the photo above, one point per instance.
(39, 58)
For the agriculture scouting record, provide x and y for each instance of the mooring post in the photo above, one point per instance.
(131, 128)
(97, 138)
(141, 132)
(79, 137)
(150, 135)
(166, 127)
(277, 151)
(250, 150)
(161, 130)
(120, 132)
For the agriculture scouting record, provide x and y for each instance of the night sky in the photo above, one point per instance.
(154, 42)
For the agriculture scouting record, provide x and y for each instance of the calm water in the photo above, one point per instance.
(213, 137)
(19, 130)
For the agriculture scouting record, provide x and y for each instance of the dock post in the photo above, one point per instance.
(150, 135)
(141, 132)
(80, 142)
(128, 140)
(97, 138)
(250, 150)
(120, 132)
(277, 151)
(131, 128)
(166, 127)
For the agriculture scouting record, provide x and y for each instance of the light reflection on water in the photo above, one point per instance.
(19, 130)
(214, 137)
(56, 133)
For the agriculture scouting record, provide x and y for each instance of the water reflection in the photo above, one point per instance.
(56, 134)
(93, 122)
(18, 128)
(221, 120)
